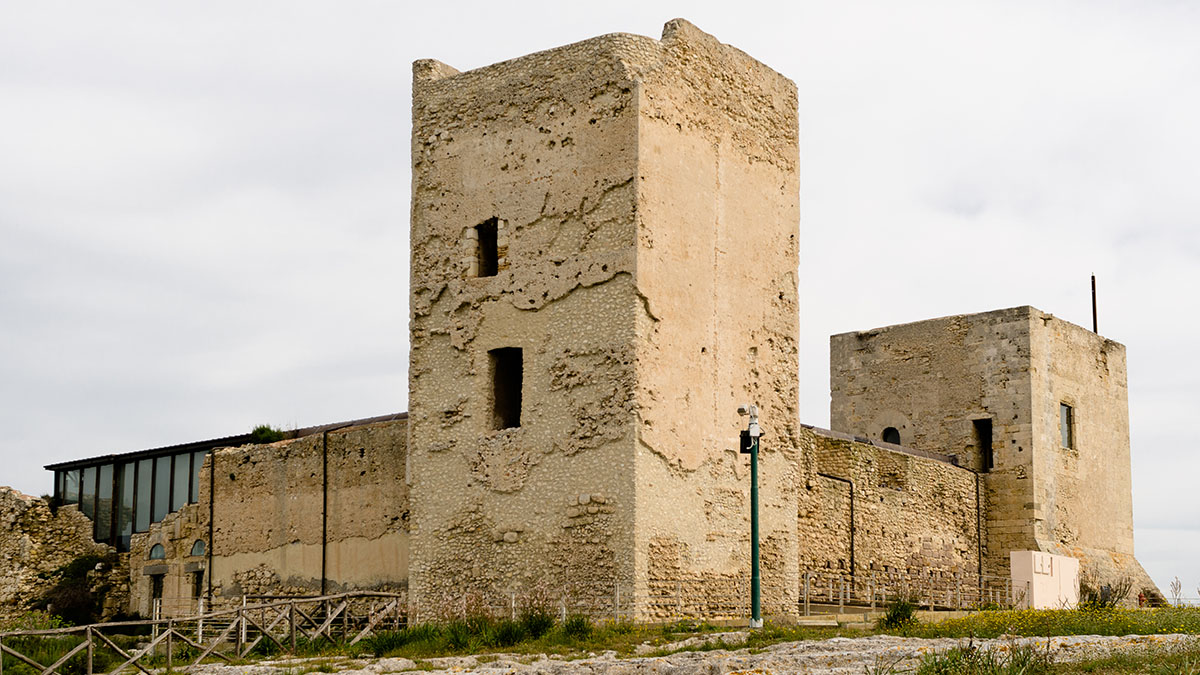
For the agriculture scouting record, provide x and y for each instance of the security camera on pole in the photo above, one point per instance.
(749, 446)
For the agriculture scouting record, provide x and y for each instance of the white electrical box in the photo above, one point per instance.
(1044, 580)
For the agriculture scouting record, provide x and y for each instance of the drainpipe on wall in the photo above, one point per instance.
(212, 485)
(850, 483)
(979, 531)
(324, 508)
(325, 505)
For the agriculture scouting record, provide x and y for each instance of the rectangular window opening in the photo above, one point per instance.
(506, 365)
(983, 441)
(197, 583)
(156, 586)
(1066, 425)
(487, 252)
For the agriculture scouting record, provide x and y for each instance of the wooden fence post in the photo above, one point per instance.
(170, 643)
(241, 630)
(292, 624)
(89, 651)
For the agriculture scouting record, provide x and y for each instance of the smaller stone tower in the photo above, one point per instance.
(1037, 405)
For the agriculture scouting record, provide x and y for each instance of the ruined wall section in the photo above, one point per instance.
(34, 542)
(268, 534)
(931, 380)
(911, 514)
(177, 533)
(1083, 494)
(717, 247)
(546, 144)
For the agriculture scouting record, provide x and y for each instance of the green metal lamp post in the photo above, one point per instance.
(749, 445)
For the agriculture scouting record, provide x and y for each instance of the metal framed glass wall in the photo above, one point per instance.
(124, 497)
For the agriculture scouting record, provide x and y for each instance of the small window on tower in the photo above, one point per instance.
(506, 366)
(891, 435)
(487, 252)
(1066, 425)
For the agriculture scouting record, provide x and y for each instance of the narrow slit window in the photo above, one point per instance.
(487, 252)
(1066, 425)
(983, 441)
(506, 366)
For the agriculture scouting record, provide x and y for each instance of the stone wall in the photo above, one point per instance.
(269, 535)
(36, 540)
(717, 251)
(911, 513)
(645, 195)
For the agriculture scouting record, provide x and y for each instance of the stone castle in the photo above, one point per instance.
(605, 238)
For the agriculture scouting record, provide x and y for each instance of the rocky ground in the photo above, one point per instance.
(833, 656)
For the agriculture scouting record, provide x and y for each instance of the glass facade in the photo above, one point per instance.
(182, 481)
(125, 507)
(145, 481)
(70, 486)
(87, 492)
(104, 502)
(126, 497)
(197, 461)
(162, 488)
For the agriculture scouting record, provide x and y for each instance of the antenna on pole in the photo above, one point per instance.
(1094, 325)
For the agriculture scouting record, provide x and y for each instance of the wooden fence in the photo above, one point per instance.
(226, 634)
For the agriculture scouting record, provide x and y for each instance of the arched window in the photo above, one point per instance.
(891, 435)
(198, 548)
(157, 552)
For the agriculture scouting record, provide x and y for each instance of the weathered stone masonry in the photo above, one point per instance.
(638, 240)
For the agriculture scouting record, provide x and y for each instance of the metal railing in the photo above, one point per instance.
(929, 590)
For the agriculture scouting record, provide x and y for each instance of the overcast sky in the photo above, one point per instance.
(204, 206)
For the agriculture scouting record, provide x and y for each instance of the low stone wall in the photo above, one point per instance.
(911, 513)
(36, 540)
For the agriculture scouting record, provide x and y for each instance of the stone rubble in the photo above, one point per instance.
(835, 656)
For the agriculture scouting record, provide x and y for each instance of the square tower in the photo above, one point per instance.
(604, 253)
(1038, 406)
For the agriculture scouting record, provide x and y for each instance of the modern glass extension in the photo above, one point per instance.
(127, 493)
(123, 494)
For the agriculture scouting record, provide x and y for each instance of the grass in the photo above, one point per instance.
(578, 636)
(1043, 622)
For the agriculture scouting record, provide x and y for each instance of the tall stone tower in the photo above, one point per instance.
(1036, 405)
(604, 254)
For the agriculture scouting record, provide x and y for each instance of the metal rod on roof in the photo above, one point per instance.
(1095, 329)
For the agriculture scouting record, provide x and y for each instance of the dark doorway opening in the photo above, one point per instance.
(983, 441)
(891, 435)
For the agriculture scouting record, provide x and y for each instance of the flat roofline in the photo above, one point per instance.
(936, 456)
(1029, 309)
(224, 442)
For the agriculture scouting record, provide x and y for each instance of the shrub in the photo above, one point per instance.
(577, 627)
(72, 598)
(899, 613)
(34, 619)
(1094, 594)
(536, 621)
(969, 660)
(265, 433)
(507, 633)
